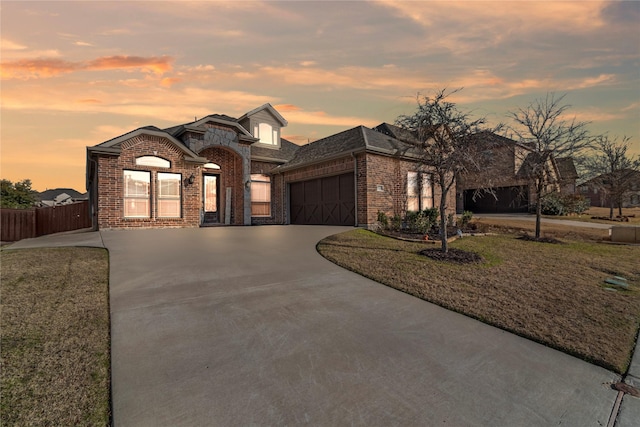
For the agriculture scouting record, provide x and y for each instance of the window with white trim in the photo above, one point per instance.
(260, 195)
(419, 191)
(426, 193)
(267, 133)
(413, 203)
(137, 196)
(153, 161)
(168, 195)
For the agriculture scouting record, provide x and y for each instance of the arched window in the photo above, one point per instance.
(153, 161)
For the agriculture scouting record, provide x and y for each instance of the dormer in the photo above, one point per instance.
(264, 123)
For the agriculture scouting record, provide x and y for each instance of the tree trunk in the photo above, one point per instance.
(611, 209)
(443, 229)
(620, 208)
(539, 187)
(538, 215)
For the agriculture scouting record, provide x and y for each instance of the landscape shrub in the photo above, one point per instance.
(396, 223)
(559, 204)
(466, 218)
(576, 204)
(383, 220)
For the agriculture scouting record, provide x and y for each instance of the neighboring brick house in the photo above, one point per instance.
(598, 190)
(505, 169)
(223, 170)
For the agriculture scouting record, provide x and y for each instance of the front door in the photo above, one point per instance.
(210, 198)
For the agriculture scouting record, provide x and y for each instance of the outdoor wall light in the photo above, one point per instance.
(189, 181)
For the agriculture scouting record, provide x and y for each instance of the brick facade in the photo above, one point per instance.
(385, 188)
(278, 195)
(380, 179)
(110, 182)
(230, 175)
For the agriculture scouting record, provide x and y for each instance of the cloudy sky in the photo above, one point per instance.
(75, 74)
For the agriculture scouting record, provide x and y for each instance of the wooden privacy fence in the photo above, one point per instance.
(17, 224)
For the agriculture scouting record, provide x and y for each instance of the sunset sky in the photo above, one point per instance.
(75, 74)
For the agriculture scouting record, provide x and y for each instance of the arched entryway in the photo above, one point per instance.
(223, 187)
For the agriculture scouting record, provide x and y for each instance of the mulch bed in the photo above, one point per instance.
(529, 238)
(453, 255)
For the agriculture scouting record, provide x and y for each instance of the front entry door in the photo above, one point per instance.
(210, 199)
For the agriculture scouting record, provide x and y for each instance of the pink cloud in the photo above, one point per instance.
(25, 69)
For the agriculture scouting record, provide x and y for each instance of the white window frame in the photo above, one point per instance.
(426, 192)
(153, 161)
(413, 190)
(168, 198)
(267, 133)
(138, 197)
(419, 191)
(260, 194)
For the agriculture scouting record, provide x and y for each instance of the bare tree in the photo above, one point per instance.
(446, 147)
(613, 170)
(542, 127)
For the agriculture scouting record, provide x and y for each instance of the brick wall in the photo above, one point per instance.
(230, 175)
(386, 188)
(110, 184)
(277, 193)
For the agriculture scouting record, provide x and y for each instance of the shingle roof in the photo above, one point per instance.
(286, 152)
(396, 132)
(567, 168)
(53, 193)
(356, 139)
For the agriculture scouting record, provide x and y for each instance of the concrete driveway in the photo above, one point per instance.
(250, 326)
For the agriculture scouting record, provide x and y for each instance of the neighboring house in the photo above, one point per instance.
(59, 196)
(596, 190)
(505, 169)
(223, 170)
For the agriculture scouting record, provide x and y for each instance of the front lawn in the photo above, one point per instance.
(550, 293)
(54, 324)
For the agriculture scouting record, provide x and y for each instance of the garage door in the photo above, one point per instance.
(326, 201)
(509, 200)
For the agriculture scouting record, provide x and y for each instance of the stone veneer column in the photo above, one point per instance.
(218, 137)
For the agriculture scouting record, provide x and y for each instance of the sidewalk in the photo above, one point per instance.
(80, 238)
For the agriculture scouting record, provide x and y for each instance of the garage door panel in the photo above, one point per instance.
(506, 200)
(329, 201)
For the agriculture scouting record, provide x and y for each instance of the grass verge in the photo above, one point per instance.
(552, 294)
(594, 211)
(54, 324)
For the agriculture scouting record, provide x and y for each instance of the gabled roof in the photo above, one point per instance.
(396, 132)
(55, 192)
(270, 109)
(628, 174)
(358, 139)
(566, 168)
(221, 119)
(112, 146)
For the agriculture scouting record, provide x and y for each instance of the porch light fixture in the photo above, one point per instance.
(189, 181)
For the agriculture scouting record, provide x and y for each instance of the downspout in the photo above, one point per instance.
(92, 186)
(355, 186)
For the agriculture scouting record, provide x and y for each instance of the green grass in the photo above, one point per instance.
(553, 294)
(54, 323)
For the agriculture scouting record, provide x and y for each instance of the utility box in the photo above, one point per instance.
(623, 234)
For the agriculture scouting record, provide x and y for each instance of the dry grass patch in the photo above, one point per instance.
(55, 337)
(633, 215)
(553, 294)
(553, 231)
